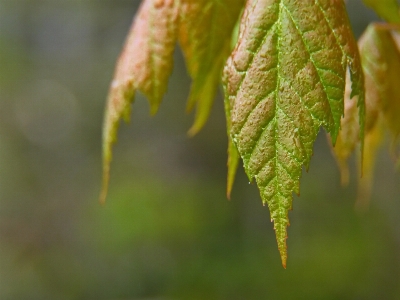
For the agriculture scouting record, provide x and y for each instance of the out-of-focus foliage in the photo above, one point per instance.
(380, 58)
(204, 29)
(386, 9)
(182, 240)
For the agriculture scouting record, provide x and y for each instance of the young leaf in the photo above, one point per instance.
(204, 29)
(285, 79)
(381, 63)
(380, 59)
(145, 65)
(387, 9)
(205, 35)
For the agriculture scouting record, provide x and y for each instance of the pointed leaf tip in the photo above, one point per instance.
(281, 233)
(283, 259)
(117, 108)
(204, 30)
(233, 162)
(282, 84)
(105, 183)
(282, 247)
(233, 154)
(144, 64)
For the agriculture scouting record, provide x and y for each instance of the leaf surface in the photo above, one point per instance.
(386, 9)
(205, 35)
(145, 65)
(285, 79)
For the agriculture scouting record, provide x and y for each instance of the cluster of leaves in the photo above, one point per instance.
(284, 79)
(380, 57)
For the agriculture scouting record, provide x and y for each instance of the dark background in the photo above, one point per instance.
(167, 230)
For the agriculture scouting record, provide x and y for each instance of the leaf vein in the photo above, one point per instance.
(284, 167)
(260, 44)
(308, 50)
(331, 28)
(250, 112)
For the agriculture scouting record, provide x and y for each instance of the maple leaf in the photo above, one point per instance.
(380, 59)
(284, 80)
(145, 64)
(203, 28)
(233, 153)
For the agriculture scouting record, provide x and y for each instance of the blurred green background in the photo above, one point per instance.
(167, 230)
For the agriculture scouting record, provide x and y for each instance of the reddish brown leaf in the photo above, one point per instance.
(145, 65)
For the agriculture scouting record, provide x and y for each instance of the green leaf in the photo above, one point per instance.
(205, 35)
(386, 9)
(285, 79)
(145, 64)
